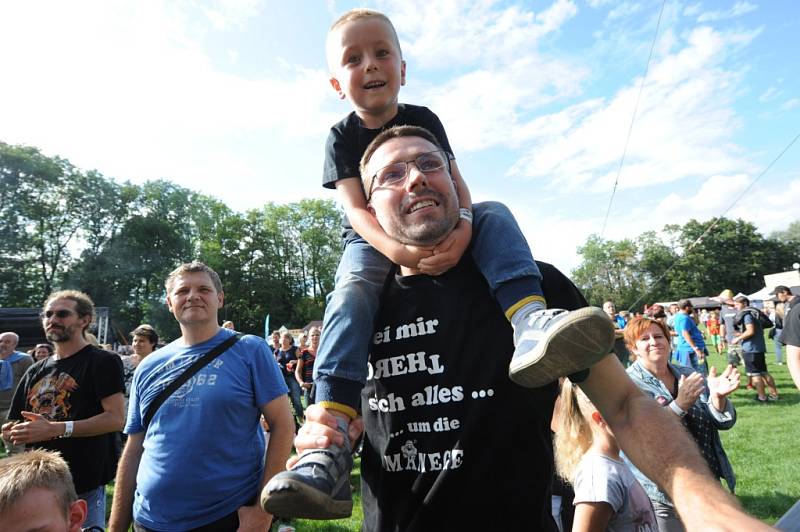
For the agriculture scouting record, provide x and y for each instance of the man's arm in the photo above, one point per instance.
(125, 484)
(749, 331)
(278, 415)
(659, 446)
(37, 428)
(793, 360)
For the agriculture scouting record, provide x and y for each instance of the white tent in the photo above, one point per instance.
(761, 295)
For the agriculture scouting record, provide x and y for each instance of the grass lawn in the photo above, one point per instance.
(762, 447)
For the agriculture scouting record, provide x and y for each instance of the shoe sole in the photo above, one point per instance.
(566, 355)
(298, 500)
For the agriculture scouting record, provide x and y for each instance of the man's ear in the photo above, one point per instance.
(221, 298)
(77, 515)
(337, 87)
(402, 73)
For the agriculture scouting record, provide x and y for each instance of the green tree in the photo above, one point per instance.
(49, 210)
(609, 270)
(790, 235)
(717, 254)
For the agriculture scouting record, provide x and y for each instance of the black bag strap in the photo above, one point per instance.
(196, 366)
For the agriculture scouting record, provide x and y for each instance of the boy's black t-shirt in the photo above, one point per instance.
(451, 443)
(348, 139)
(69, 390)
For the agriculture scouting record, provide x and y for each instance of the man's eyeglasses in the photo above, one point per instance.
(395, 174)
(61, 314)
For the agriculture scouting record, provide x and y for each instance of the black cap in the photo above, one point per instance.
(781, 289)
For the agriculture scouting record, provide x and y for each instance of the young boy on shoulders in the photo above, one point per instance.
(367, 69)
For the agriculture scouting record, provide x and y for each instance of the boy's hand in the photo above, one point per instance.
(409, 256)
(449, 251)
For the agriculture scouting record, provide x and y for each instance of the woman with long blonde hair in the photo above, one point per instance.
(607, 495)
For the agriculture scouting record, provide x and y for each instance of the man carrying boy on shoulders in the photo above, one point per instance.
(443, 450)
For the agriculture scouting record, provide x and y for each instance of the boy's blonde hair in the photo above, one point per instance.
(359, 13)
(35, 469)
(574, 431)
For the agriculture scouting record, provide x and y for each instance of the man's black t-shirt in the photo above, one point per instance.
(791, 323)
(451, 443)
(68, 390)
(348, 140)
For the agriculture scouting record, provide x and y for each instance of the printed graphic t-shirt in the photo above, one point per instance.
(68, 390)
(451, 443)
(205, 440)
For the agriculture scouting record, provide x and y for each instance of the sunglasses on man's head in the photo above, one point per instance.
(63, 313)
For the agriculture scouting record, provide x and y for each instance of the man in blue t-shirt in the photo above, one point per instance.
(200, 462)
(691, 349)
(751, 338)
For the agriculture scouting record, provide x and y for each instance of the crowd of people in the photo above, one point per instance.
(442, 350)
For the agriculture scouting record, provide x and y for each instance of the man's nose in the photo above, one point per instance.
(416, 177)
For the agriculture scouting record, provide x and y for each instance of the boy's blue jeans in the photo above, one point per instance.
(340, 369)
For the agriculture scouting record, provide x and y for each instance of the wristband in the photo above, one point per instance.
(465, 214)
(68, 426)
(677, 409)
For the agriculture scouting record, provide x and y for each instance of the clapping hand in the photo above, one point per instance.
(723, 385)
(689, 389)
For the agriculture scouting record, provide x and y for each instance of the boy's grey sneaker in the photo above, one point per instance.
(553, 343)
(317, 487)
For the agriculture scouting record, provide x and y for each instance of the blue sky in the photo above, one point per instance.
(231, 98)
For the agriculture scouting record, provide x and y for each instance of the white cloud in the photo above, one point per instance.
(769, 94)
(128, 89)
(683, 126)
(761, 205)
(556, 238)
(788, 105)
(738, 9)
(692, 10)
(625, 9)
(452, 34)
(487, 108)
(227, 14)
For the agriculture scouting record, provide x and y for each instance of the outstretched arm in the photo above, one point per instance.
(656, 442)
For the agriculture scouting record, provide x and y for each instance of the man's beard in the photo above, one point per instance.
(62, 334)
(427, 232)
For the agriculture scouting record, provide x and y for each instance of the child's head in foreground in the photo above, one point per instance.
(36, 493)
(579, 423)
(366, 62)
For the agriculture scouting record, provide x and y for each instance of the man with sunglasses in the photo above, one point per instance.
(451, 443)
(72, 402)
